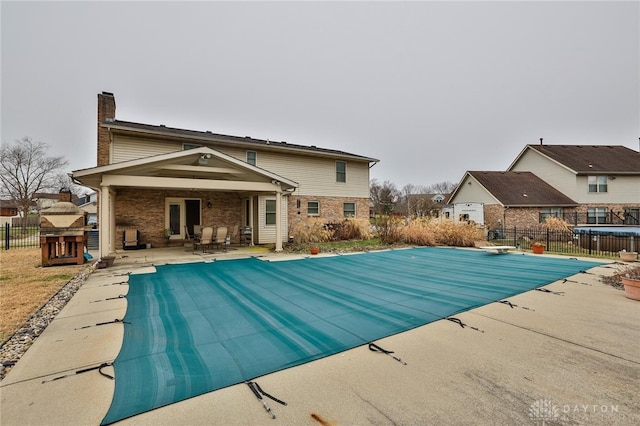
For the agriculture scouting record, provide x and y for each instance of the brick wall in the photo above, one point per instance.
(106, 110)
(331, 208)
(145, 210)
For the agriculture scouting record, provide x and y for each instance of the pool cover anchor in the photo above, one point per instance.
(513, 305)
(85, 370)
(120, 283)
(546, 290)
(258, 392)
(115, 321)
(120, 296)
(463, 325)
(375, 348)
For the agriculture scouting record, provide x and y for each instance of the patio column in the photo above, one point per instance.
(107, 222)
(278, 221)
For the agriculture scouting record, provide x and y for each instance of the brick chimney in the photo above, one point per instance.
(64, 195)
(106, 113)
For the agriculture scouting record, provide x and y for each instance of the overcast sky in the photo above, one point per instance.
(431, 89)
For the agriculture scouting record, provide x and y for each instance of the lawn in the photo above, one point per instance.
(25, 286)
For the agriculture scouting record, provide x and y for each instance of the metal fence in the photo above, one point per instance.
(585, 242)
(18, 236)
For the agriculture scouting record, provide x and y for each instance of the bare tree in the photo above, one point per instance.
(26, 169)
(383, 196)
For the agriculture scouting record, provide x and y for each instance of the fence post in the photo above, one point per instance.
(6, 236)
(590, 238)
(515, 238)
(548, 240)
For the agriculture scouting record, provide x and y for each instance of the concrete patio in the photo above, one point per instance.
(567, 359)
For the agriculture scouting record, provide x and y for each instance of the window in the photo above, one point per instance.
(251, 157)
(341, 171)
(186, 146)
(349, 209)
(548, 212)
(270, 212)
(597, 184)
(597, 215)
(313, 208)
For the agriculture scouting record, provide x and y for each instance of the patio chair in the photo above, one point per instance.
(205, 240)
(131, 239)
(221, 237)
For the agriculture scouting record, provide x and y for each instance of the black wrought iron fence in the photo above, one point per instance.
(18, 236)
(579, 242)
(604, 218)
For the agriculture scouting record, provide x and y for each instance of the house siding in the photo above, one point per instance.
(267, 233)
(556, 175)
(474, 193)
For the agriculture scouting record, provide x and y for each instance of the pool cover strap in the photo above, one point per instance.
(375, 348)
(463, 325)
(85, 370)
(258, 392)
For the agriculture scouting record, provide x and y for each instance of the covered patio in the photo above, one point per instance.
(165, 196)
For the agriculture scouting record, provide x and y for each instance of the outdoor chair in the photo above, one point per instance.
(205, 240)
(131, 239)
(221, 237)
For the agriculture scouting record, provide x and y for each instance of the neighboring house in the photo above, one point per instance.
(89, 204)
(157, 178)
(604, 180)
(8, 211)
(425, 204)
(580, 184)
(508, 198)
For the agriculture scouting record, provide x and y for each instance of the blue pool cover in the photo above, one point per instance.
(194, 328)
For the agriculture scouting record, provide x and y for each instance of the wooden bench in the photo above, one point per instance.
(497, 249)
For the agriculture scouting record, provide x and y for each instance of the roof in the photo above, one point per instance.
(208, 138)
(520, 189)
(590, 159)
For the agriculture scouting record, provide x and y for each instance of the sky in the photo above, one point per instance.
(431, 89)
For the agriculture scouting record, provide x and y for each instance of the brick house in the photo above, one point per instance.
(162, 180)
(580, 184)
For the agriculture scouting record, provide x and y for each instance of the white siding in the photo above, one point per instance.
(267, 234)
(473, 193)
(316, 176)
(561, 178)
(126, 148)
(622, 189)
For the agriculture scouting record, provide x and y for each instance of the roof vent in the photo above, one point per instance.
(162, 125)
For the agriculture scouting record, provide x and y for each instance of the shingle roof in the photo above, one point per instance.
(215, 138)
(521, 189)
(586, 159)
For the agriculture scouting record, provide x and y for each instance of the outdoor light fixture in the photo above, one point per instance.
(209, 204)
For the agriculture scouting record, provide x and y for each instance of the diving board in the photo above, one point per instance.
(497, 249)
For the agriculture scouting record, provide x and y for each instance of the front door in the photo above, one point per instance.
(181, 213)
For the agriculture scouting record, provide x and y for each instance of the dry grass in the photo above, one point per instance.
(25, 286)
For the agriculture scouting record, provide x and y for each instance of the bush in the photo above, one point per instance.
(456, 234)
(310, 230)
(353, 229)
(419, 231)
(388, 228)
(556, 224)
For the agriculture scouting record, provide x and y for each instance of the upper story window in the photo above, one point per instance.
(313, 208)
(341, 171)
(270, 212)
(186, 146)
(349, 209)
(252, 157)
(597, 184)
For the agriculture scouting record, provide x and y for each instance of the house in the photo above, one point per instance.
(603, 179)
(162, 180)
(8, 211)
(580, 184)
(89, 204)
(513, 198)
(425, 204)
